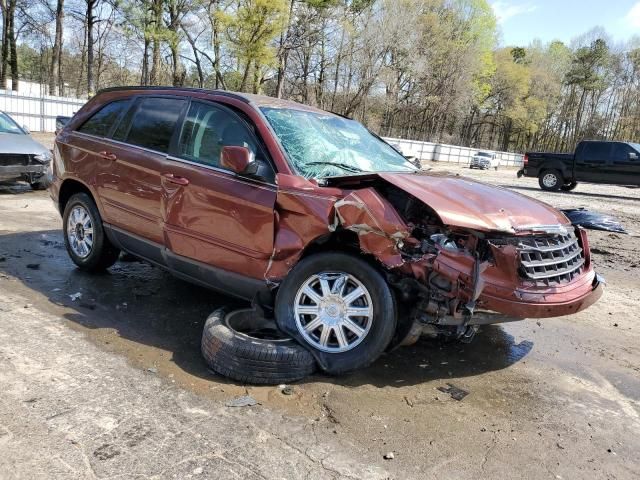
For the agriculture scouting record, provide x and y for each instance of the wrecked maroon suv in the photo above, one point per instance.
(311, 215)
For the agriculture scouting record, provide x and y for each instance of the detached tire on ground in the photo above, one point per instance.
(243, 346)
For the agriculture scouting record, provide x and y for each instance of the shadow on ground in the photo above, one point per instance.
(146, 305)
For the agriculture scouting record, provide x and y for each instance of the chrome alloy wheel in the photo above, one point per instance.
(549, 180)
(80, 231)
(333, 311)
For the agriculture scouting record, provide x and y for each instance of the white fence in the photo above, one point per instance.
(37, 112)
(439, 152)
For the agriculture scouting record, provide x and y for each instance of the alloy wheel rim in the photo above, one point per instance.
(80, 231)
(550, 180)
(333, 311)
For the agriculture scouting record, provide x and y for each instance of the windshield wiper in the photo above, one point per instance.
(343, 166)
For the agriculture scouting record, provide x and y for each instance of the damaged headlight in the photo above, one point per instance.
(44, 157)
(444, 241)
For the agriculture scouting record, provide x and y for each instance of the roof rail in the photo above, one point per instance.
(168, 87)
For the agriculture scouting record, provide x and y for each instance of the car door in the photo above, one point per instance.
(625, 164)
(214, 217)
(593, 162)
(132, 192)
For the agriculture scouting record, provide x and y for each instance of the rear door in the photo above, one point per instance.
(214, 216)
(625, 164)
(593, 162)
(132, 192)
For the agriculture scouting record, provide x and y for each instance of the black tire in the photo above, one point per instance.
(234, 344)
(103, 254)
(545, 180)
(383, 323)
(569, 186)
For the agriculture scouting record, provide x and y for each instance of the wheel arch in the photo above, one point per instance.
(70, 187)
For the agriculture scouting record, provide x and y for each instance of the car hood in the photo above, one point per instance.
(14, 143)
(466, 203)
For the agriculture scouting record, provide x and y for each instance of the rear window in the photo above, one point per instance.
(101, 122)
(596, 152)
(154, 122)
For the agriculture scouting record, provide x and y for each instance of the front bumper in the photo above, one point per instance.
(547, 304)
(18, 171)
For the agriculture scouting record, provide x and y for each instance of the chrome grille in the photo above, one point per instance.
(551, 260)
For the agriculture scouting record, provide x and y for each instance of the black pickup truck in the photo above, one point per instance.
(593, 161)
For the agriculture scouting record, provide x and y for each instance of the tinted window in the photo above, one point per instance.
(101, 122)
(207, 129)
(621, 152)
(597, 152)
(154, 122)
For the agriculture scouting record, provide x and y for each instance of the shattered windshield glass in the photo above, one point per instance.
(325, 145)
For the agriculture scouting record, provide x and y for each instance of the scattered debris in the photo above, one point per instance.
(33, 266)
(389, 456)
(287, 390)
(75, 296)
(152, 370)
(593, 220)
(455, 392)
(198, 471)
(244, 401)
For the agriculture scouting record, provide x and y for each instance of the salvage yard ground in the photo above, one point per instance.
(112, 383)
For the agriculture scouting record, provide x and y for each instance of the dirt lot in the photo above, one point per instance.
(113, 382)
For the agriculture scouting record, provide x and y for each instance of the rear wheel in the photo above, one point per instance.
(84, 236)
(340, 308)
(550, 180)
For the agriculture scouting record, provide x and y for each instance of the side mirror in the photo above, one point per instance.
(633, 156)
(236, 158)
(26, 129)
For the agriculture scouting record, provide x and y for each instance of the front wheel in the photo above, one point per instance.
(340, 308)
(550, 180)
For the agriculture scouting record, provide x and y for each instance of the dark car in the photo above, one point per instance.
(310, 214)
(615, 163)
(21, 157)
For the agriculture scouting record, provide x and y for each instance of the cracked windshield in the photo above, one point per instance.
(320, 145)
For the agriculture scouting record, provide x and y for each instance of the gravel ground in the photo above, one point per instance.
(113, 383)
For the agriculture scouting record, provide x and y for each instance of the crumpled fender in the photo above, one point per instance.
(380, 229)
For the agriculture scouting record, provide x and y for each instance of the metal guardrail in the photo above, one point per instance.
(440, 152)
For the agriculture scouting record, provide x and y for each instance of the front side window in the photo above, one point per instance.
(8, 125)
(100, 123)
(154, 122)
(324, 145)
(207, 129)
(623, 153)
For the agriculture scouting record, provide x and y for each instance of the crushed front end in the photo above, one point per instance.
(450, 278)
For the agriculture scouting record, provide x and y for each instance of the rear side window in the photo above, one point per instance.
(596, 152)
(154, 122)
(101, 122)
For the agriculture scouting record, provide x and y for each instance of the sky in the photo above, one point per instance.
(521, 21)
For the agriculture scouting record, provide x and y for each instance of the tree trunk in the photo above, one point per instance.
(55, 75)
(283, 54)
(91, 19)
(157, 22)
(12, 46)
(4, 65)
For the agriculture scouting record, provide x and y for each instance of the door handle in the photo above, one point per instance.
(108, 155)
(174, 179)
